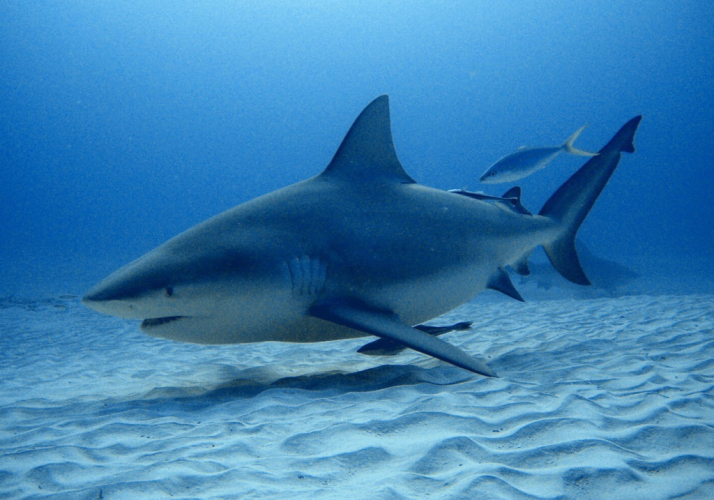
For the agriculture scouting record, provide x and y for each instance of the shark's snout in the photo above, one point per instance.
(104, 301)
(117, 295)
(98, 294)
(115, 287)
(135, 291)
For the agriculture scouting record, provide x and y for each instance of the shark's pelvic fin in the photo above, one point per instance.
(572, 202)
(384, 324)
(502, 283)
(367, 151)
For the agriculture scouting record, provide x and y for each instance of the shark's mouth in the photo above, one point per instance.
(151, 322)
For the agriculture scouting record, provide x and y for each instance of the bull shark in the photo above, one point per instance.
(359, 249)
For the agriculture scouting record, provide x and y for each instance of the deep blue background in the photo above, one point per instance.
(123, 123)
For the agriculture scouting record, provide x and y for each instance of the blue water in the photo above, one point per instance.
(124, 123)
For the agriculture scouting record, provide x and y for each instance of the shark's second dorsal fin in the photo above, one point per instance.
(515, 194)
(367, 151)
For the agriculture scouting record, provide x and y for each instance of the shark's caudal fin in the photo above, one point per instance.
(572, 202)
(568, 145)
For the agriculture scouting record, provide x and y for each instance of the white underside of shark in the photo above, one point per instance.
(360, 249)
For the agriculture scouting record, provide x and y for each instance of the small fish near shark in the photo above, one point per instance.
(360, 249)
(525, 161)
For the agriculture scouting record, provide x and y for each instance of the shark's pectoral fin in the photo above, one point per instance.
(388, 326)
(388, 347)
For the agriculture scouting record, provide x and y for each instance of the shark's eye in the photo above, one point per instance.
(169, 291)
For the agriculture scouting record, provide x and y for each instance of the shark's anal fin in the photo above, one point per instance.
(502, 283)
(384, 324)
(387, 347)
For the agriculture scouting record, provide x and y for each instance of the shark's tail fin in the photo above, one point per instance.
(572, 202)
(570, 149)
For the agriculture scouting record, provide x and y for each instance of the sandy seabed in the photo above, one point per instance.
(603, 398)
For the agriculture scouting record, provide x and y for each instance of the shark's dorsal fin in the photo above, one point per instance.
(367, 151)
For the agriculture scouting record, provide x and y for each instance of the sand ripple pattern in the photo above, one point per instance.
(607, 398)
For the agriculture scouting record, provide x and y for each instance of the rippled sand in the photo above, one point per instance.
(605, 398)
